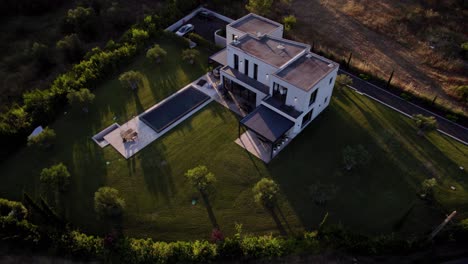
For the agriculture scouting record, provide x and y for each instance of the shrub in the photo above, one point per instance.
(462, 92)
(261, 7)
(13, 209)
(82, 20)
(44, 140)
(156, 53)
(81, 245)
(342, 81)
(364, 76)
(406, 96)
(202, 41)
(132, 79)
(424, 123)
(14, 121)
(136, 36)
(81, 98)
(71, 47)
(56, 177)
(427, 187)
(289, 22)
(108, 203)
(200, 178)
(21, 232)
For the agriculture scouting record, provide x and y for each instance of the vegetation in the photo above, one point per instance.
(156, 53)
(81, 98)
(425, 123)
(44, 140)
(289, 22)
(56, 177)
(427, 187)
(71, 47)
(261, 7)
(190, 55)
(353, 156)
(462, 92)
(131, 79)
(266, 193)
(153, 182)
(12, 209)
(342, 81)
(108, 203)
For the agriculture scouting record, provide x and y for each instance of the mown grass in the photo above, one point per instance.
(378, 198)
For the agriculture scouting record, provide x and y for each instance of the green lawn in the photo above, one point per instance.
(378, 198)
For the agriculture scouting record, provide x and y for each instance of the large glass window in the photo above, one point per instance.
(246, 67)
(313, 97)
(255, 73)
(307, 117)
(236, 62)
(280, 92)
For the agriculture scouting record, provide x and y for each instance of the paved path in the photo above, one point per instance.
(445, 126)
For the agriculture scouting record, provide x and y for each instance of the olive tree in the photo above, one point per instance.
(201, 178)
(190, 55)
(289, 22)
(132, 79)
(55, 181)
(156, 53)
(266, 193)
(424, 123)
(81, 98)
(108, 203)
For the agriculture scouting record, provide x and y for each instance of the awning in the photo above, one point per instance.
(220, 57)
(267, 123)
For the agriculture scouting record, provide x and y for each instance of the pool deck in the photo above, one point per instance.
(146, 134)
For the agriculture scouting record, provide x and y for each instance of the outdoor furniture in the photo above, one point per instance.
(129, 135)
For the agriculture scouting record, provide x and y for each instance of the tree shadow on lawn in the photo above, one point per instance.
(302, 168)
(156, 170)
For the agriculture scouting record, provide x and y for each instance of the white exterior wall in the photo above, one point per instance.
(232, 31)
(263, 68)
(325, 91)
(295, 97)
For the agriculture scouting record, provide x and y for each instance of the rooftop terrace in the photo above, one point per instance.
(254, 24)
(307, 71)
(273, 51)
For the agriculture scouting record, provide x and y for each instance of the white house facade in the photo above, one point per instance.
(280, 83)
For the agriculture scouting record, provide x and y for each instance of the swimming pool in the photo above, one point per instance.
(174, 108)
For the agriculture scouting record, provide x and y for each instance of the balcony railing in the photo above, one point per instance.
(287, 109)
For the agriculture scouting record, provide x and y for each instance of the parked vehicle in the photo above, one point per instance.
(206, 15)
(184, 30)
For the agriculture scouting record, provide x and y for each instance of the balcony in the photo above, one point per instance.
(287, 109)
(246, 79)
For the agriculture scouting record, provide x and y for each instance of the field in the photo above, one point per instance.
(420, 41)
(378, 198)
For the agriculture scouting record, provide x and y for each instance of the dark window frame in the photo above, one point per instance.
(236, 62)
(246, 67)
(313, 97)
(255, 73)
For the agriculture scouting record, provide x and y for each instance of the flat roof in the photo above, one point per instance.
(267, 123)
(220, 57)
(254, 24)
(271, 50)
(307, 71)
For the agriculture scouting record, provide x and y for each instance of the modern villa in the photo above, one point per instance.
(281, 84)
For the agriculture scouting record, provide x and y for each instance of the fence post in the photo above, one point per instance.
(390, 79)
(349, 59)
(433, 100)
